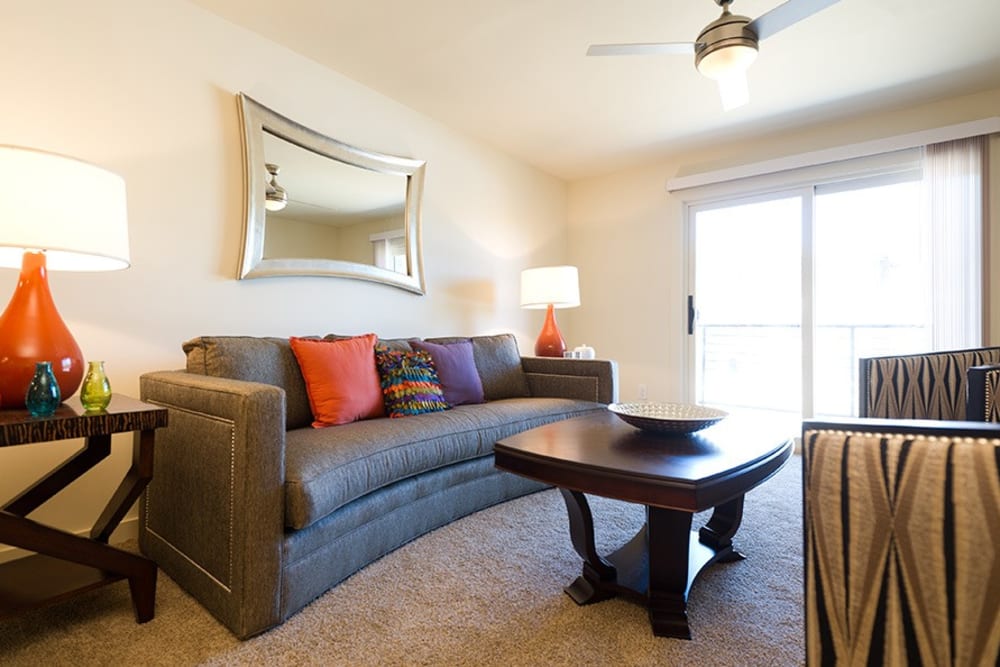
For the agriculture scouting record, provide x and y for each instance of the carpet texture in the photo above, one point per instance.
(485, 590)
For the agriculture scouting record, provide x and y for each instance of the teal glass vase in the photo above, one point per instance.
(95, 394)
(42, 397)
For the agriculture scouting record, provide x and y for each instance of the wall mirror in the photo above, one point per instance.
(316, 206)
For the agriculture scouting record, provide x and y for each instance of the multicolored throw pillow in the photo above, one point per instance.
(410, 385)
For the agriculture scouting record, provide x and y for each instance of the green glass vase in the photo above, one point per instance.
(95, 394)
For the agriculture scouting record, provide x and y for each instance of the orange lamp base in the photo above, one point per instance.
(550, 341)
(31, 330)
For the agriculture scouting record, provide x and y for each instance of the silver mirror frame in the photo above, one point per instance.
(256, 119)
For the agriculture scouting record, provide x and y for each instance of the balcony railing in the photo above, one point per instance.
(759, 366)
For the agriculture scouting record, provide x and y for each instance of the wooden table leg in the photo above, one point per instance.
(95, 449)
(115, 563)
(589, 587)
(670, 571)
(131, 487)
(718, 532)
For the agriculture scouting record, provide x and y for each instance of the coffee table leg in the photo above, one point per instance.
(658, 566)
(718, 532)
(669, 579)
(587, 588)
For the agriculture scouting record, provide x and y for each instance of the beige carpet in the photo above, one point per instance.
(485, 590)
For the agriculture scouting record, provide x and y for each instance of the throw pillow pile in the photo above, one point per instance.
(349, 378)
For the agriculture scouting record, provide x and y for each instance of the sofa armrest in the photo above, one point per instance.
(583, 379)
(213, 515)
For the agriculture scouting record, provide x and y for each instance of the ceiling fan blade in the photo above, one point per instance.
(678, 48)
(784, 15)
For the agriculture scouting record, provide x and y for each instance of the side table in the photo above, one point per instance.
(64, 564)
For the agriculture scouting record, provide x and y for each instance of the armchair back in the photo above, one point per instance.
(925, 386)
(902, 542)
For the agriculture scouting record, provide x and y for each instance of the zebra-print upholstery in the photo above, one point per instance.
(922, 386)
(902, 543)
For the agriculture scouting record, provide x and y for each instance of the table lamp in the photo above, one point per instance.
(550, 287)
(56, 213)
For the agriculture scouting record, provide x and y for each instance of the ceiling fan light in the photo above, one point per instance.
(734, 91)
(727, 61)
(275, 196)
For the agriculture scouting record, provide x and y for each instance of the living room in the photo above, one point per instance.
(149, 91)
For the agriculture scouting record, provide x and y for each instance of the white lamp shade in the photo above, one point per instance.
(556, 285)
(74, 211)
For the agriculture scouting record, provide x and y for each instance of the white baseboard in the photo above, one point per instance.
(128, 529)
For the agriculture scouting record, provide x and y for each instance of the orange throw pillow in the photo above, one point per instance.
(341, 378)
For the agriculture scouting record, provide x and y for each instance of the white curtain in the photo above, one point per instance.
(955, 191)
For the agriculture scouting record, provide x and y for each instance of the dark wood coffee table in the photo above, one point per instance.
(674, 476)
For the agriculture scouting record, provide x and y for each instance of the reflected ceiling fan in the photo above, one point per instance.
(727, 46)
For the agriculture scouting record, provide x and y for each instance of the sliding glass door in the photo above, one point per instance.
(788, 290)
(872, 295)
(745, 317)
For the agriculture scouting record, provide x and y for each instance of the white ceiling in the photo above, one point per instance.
(513, 72)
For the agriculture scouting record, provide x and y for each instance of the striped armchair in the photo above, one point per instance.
(902, 542)
(952, 385)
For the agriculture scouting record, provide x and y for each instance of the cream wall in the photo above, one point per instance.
(626, 235)
(148, 90)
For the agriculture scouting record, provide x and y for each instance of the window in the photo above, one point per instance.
(791, 286)
(389, 250)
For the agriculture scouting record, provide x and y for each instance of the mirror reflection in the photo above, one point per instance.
(317, 206)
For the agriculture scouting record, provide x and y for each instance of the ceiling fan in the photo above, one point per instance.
(727, 46)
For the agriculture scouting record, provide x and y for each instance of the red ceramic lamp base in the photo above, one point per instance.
(550, 342)
(31, 330)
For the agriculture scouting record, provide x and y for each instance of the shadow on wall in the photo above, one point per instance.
(473, 302)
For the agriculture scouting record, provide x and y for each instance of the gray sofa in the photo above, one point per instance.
(255, 513)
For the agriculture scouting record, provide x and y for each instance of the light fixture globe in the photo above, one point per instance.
(726, 47)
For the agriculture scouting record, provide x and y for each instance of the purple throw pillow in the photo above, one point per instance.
(456, 369)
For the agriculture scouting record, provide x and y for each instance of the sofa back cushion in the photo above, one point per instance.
(254, 359)
(499, 364)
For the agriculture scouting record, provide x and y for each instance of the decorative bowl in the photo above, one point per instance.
(667, 417)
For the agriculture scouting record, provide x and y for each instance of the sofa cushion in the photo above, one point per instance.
(499, 364)
(253, 359)
(410, 385)
(328, 468)
(456, 368)
(397, 344)
(341, 379)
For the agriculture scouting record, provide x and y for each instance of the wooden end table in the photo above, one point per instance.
(674, 476)
(65, 564)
